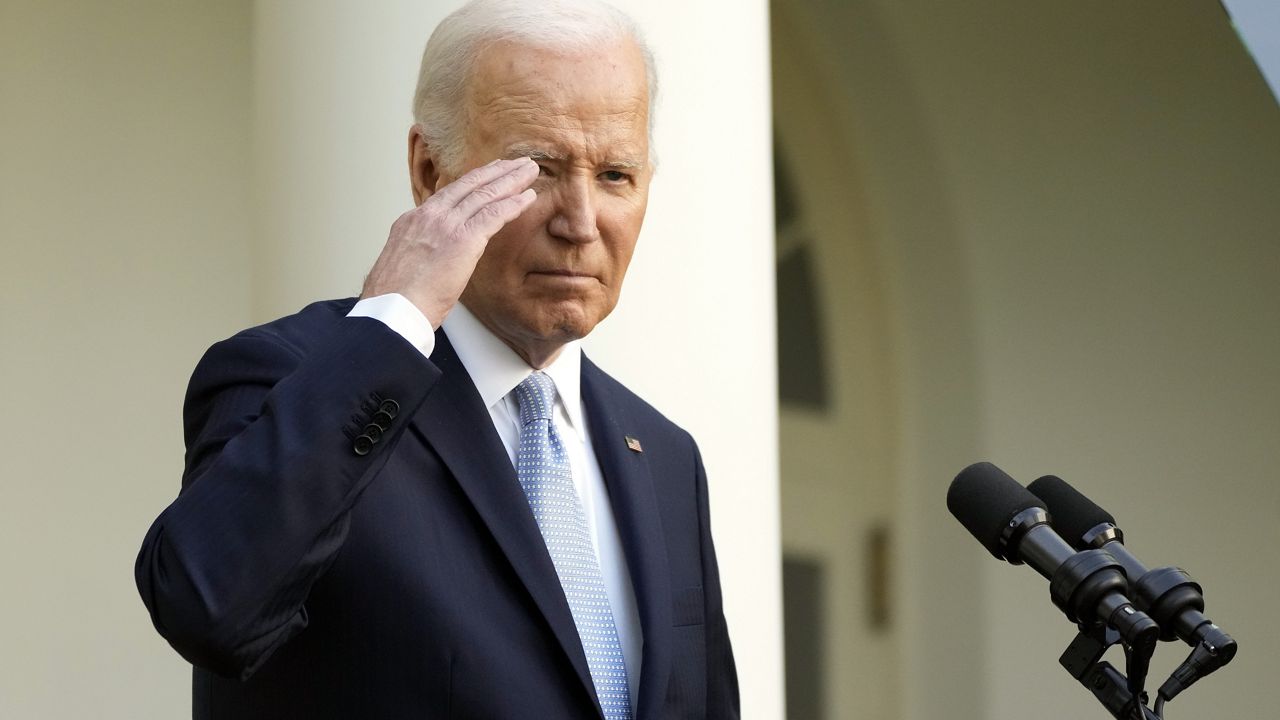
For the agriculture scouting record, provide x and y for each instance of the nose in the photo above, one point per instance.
(575, 211)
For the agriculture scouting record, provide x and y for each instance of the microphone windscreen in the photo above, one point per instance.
(1073, 514)
(984, 499)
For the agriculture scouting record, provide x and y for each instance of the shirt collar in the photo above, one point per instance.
(496, 369)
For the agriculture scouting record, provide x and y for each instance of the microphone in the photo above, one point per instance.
(1088, 586)
(1174, 600)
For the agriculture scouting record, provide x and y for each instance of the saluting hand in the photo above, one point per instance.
(433, 249)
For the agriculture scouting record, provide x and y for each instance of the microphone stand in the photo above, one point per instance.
(1123, 697)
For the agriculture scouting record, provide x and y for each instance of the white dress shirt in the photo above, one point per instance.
(496, 370)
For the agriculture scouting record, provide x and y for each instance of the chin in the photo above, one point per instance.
(566, 322)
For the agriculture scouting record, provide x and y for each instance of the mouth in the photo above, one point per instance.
(562, 275)
(560, 271)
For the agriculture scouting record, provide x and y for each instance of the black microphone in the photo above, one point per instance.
(1013, 524)
(1173, 599)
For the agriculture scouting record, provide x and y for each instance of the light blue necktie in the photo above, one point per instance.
(543, 469)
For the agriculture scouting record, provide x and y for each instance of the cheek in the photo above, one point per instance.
(621, 230)
(506, 249)
(494, 268)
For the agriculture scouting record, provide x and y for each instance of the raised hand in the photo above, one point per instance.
(433, 249)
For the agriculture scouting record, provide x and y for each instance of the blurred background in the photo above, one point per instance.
(1043, 234)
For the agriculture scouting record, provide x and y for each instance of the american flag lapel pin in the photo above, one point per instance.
(633, 444)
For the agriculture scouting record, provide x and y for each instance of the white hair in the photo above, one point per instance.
(439, 102)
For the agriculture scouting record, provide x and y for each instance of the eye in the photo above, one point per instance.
(543, 170)
(614, 176)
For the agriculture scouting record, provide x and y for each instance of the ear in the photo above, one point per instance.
(424, 169)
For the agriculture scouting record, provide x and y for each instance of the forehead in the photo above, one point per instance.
(582, 101)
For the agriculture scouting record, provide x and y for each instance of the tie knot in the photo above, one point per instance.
(536, 396)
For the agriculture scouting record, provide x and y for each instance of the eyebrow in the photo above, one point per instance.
(519, 151)
(537, 154)
(531, 153)
(623, 165)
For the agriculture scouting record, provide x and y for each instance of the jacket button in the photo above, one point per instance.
(382, 420)
(390, 407)
(373, 431)
(363, 445)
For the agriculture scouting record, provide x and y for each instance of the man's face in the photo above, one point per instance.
(550, 275)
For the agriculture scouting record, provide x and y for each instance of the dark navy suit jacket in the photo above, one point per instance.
(304, 579)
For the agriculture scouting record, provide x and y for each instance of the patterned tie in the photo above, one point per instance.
(543, 469)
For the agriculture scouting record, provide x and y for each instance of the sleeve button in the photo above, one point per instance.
(362, 445)
(390, 407)
(374, 432)
(382, 420)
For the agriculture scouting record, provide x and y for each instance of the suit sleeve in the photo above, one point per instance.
(272, 472)
(722, 673)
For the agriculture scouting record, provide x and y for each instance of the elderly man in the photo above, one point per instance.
(427, 502)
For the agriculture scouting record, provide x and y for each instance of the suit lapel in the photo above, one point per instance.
(635, 507)
(455, 423)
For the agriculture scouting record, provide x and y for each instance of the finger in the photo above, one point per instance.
(500, 188)
(456, 190)
(451, 194)
(492, 217)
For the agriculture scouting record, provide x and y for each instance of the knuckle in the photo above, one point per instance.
(490, 211)
(429, 210)
(485, 222)
(487, 193)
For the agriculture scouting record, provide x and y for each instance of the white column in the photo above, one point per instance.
(694, 332)
(333, 83)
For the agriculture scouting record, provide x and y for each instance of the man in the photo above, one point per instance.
(428, 503)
